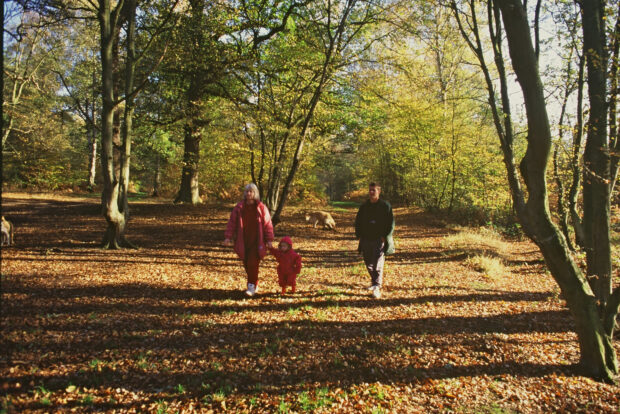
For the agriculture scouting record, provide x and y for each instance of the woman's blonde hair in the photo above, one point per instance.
(249, 187)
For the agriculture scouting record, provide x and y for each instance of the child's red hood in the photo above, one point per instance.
(287, 240)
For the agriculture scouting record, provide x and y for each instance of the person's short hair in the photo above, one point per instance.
(374, 184)
(251, 186)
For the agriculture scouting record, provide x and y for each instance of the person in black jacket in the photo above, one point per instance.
(374, 225)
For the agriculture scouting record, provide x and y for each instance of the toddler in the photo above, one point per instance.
(289, 264)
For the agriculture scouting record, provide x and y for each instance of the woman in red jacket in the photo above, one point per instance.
(251, 230)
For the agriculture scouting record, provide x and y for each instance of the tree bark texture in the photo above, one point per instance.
(115, 218)
(597, 353)
(123, 202)
(597, 179)
(613, 102)
(189, 191)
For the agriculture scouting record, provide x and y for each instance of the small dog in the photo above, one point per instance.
(322, 217)
(7, 232)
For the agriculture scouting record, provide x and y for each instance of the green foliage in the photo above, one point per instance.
(399, 106)
(435, 150)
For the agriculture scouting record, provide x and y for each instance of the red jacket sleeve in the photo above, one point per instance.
(231, 227)
(274, 252)
(267, 224)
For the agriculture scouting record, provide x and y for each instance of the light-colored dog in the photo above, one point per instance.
(7, 232)
(324, 218)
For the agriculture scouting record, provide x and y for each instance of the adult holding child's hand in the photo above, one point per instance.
(250, 231)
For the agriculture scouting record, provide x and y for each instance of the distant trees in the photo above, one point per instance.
(40, 137)
(283, 96)
(423, 129)
(280, 93)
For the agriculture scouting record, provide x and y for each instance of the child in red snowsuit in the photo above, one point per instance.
(289, 264)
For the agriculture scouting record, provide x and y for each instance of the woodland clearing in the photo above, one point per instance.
(166, 328)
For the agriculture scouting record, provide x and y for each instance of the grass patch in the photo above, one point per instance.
(492, 408)
(477, 242)
(343, 204)
(489, 266)
(309, 403)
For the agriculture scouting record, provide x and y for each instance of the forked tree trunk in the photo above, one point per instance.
(109, 196)
(598, 357)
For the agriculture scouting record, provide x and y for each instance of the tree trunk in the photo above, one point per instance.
(157, 178)
(109, 196)
(573, 193)
(334, 43)
(92, 158)
(561, 204)
(189, 191)
(613, 103)
(92, 144)
(597, 355)
(596, 159)
(123, 201)
(563, 216)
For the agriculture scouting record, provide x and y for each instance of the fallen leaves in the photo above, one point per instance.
(167, 328)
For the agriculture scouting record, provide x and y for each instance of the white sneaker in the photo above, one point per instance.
(376, 292)
(251, 289)
(371, 287)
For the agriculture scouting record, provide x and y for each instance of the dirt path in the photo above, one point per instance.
(167, 328)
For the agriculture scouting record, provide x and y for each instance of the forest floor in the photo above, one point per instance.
(167, 328)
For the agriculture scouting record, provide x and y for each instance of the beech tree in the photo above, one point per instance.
(591, 301)
(116, 169)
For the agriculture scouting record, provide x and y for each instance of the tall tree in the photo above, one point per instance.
(596, 158)
(213, 39)
(116, 171)
(292, 74)
(594, 319)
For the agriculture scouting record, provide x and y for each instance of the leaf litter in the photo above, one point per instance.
(166, 328)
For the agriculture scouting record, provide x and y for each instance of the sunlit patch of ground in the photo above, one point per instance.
(167, 328)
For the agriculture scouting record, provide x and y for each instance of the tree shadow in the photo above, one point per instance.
(165, 336)
(342, 352)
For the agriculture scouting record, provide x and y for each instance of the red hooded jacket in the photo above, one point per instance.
(289, 262)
